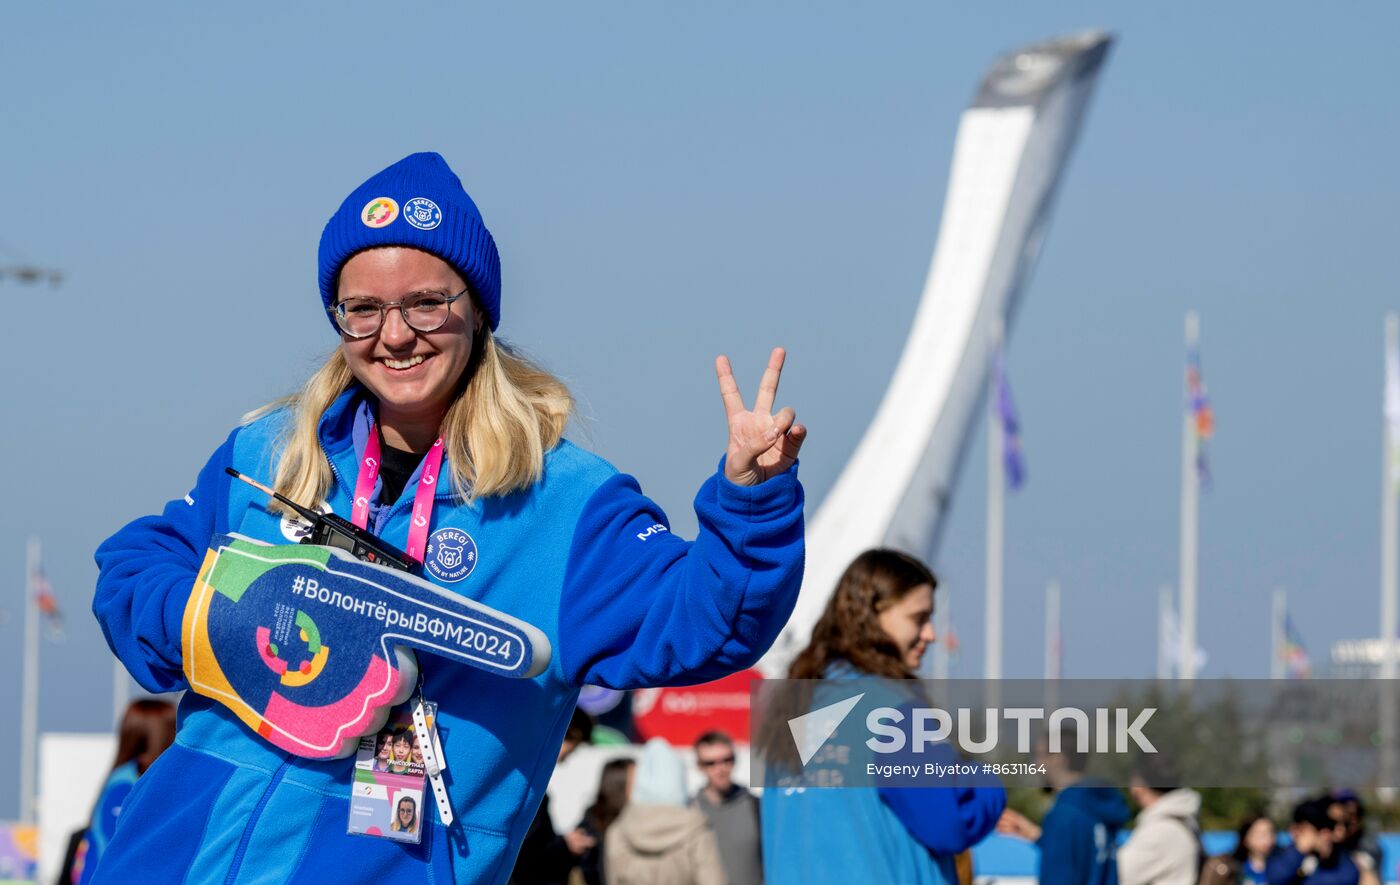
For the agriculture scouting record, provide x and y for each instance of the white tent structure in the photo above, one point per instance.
(72, 771)
(1010, 153)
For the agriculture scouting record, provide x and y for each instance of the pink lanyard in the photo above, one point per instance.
(422, 499)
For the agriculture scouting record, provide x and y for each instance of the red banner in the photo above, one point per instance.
(680, 715)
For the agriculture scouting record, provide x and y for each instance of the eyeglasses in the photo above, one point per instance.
(711, 763)
(421, 311)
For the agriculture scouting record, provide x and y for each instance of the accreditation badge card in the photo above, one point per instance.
(391, 777)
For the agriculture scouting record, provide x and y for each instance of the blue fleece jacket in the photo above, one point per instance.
(581, 554)
(105, 815)
(838, 835)
(1284, 868)
(1079, 836)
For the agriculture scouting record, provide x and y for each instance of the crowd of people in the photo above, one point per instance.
(642, 828)
(645, 827)
(1081, 838)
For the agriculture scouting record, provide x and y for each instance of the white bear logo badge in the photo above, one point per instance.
(450, 556)
(422, 213)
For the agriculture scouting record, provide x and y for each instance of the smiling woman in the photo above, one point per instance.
(526, 523)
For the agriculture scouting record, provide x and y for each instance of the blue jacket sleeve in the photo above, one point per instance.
(947, 819)
(642, 607)
(146, 572)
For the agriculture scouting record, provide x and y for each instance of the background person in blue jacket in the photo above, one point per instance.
(1079, 835)
(1313, 856)
(147, 729)
(877, 623)
(524, 522)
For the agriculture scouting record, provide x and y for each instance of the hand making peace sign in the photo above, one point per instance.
(761, 444)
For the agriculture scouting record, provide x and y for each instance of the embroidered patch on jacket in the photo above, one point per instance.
(422, 213)
(450, 555)
(379, 212)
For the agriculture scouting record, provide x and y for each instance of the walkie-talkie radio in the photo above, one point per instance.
(329, 530)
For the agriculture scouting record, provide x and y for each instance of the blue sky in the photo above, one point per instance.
(669, 183)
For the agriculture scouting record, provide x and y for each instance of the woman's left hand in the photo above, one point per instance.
(761, 444)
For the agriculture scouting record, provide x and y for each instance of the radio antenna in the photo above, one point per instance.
(306, 513)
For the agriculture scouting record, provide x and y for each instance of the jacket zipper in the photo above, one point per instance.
(334, 472)
(252, 824)
(236, 866)
(257, 812)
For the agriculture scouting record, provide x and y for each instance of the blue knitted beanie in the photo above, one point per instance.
(417, 202)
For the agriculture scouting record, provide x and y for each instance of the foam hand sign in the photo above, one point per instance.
(311, 647)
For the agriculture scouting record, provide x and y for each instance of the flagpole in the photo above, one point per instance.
(1052, 631)
(996, 493)
(1277, 639)
(1389, 469)
(1190, 451)
(121, 691)
(1053, 638)
(1388, 507)
(29, 714)
(1164, 637)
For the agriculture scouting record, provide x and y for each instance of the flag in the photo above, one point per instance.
(952, 646)
(1392, 412)
(1203, 417)
(1010, 426)
(1170, 634)
(1295, 656)
(47, 604)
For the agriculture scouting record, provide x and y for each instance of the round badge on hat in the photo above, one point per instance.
(422, 213)
(379, 212)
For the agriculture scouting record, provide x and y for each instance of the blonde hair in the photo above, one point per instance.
(507, 414)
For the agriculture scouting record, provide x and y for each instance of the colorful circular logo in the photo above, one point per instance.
(379, 212)
(422, 213)
(450, 555)
(295, 667)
